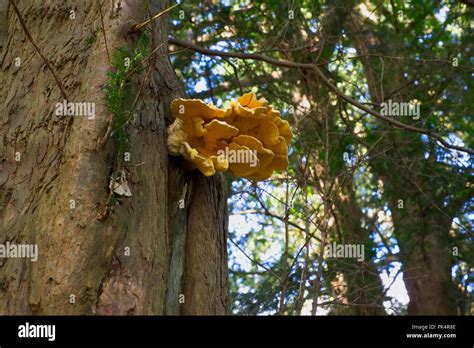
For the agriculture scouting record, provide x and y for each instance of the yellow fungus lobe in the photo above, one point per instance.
(248, 138)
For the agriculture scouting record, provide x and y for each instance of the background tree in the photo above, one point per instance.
(354, 178)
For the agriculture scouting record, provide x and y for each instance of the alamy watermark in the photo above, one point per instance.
(238, 156)
(393, 108)
(37, 331)
(28, 251)
(75, 109)
(346, 251)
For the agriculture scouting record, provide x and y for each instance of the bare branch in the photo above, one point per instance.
(326, 81)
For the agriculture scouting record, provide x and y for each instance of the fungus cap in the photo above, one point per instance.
(249, 129)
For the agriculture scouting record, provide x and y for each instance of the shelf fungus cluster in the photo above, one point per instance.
(248, 138)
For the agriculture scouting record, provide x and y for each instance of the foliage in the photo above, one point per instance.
(417, 52)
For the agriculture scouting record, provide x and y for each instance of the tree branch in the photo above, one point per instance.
(326, 81)
(38, 50)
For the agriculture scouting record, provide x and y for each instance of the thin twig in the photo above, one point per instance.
(46, 61)
(105, 36)
(138, 27)
(235, 74)
(254, 261)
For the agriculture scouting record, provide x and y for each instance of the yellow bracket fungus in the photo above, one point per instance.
(248, 138)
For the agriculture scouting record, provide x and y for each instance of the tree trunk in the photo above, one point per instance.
(365, 291)
(152, 254)
(426, 260)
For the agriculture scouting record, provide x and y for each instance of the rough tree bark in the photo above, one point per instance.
(173, 251)
(365, 290)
